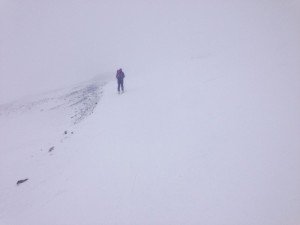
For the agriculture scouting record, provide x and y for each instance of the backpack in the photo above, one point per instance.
(120, 74)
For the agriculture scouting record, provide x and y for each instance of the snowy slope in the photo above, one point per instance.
(210, 150)
(32, 129)
(207, 131)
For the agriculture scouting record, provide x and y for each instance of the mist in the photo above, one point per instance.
(205, 132)
(52, 44)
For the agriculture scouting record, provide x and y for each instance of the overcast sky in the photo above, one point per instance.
(54, 43)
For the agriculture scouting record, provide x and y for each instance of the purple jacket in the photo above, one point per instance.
(120, 75)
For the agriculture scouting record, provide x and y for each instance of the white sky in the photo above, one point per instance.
(50, 44)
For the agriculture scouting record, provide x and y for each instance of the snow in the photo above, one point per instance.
(207, 131)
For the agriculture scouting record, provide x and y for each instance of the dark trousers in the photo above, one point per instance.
(120, 85)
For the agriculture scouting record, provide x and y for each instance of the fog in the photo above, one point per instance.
(206, 132)
(49, 44)
(52, 44)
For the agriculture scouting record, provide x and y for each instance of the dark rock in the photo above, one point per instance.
(21, 181)
(51, 149)
(66, 132)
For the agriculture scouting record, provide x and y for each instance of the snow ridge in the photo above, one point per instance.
(80, 101)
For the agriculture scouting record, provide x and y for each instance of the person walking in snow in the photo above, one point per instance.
(120, 77)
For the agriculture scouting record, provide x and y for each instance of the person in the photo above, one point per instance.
(120, 77)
